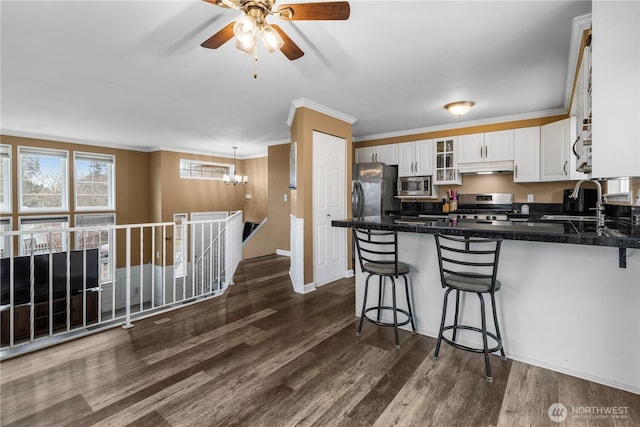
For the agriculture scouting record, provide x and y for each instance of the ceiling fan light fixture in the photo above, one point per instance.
(459, 108)
(271, 39)
(248, 47)
(245, 29)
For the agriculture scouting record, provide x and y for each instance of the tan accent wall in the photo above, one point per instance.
(544, 192)
(255, 208)
(274, 234)
(195, 195)
(304, 123)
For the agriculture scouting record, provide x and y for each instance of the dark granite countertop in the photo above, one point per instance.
(615, 234)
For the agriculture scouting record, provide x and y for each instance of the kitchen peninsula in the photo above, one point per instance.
(565, 304)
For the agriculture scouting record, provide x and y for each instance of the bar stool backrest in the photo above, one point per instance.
(377, 247)
(468, 259)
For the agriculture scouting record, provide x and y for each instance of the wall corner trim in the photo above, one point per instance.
(303, 102)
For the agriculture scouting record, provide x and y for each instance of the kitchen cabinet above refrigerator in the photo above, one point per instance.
(387, 154)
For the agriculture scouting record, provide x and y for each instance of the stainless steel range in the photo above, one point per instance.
(483, 207)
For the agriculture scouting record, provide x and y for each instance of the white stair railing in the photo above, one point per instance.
(57, 288)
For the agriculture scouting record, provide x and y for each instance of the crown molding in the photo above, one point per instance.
(142, 149)
(303, 102)
(207, 153)
(503, 119)
(579, 25)
(56, 138)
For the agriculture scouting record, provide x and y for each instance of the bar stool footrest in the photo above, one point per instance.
(498, 347)
(385, 323)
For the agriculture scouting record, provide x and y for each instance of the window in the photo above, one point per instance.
(45, 240)
(43, 180)
(179, 244)
(5, 241)
(94, 180)
(95, 238)
(5, 178)
(203, 170)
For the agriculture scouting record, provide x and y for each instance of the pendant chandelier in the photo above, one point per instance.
(233, 178)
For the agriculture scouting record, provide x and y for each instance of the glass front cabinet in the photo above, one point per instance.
(446, 162)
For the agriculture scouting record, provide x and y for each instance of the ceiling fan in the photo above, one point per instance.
(254, 22)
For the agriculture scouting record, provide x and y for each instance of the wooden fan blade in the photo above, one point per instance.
(289, 49)
(338, 10)
(219, 38)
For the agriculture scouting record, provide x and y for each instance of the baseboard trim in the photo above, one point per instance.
(283, 252)
(349, 273)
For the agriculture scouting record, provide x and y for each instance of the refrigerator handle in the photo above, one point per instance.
(356, 199)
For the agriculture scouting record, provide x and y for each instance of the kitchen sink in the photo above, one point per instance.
(568, 218)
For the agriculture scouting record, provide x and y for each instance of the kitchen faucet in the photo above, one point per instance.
(600, 217)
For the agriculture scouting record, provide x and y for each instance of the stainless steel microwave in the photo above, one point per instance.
(414, 186)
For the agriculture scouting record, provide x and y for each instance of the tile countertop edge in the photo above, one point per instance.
(506, 232)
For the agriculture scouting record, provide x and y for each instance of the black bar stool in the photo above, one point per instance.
(378, 255)
(469, 264)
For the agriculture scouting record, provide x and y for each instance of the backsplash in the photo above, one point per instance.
(543, 192)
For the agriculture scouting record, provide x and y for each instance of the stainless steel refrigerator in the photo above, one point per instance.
(374, 190)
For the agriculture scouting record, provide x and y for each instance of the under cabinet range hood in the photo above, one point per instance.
(486, 167)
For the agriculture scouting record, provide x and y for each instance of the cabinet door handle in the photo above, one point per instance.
(486, 152)
(516, 171)
(481, 155)
(564, 167)
(416, 167)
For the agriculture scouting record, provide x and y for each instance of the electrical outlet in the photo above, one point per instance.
(529, 198)
(285, 197)
(137, 290)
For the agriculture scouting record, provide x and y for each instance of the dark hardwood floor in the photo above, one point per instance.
(262, 355)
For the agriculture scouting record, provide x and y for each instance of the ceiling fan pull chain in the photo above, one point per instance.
(255, 63)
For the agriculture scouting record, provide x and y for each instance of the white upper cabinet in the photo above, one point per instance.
(615, 56)
(365, 155)
(498, 146)
(471, 148)
(557, 162)
(415, 158)
(526, 154)
(446, 161)
(382, 153)
(387, 154)
(489, 151)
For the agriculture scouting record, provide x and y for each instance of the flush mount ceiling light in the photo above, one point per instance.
(233, 178)
(459, 108)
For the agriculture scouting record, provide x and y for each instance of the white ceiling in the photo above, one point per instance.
(133, 74)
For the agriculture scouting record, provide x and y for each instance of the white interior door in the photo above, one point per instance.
(329, 187)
